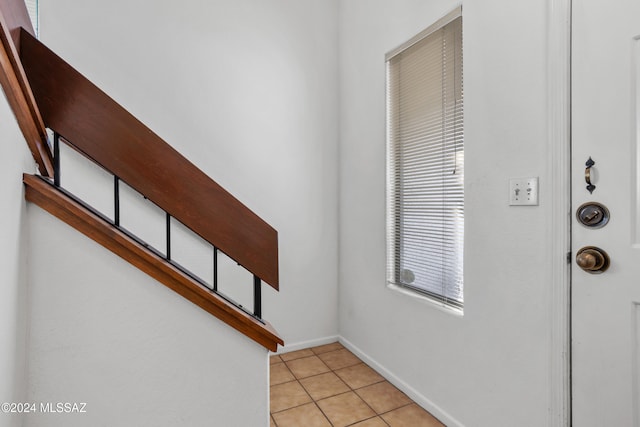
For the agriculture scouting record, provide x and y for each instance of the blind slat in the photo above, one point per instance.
(32, 9)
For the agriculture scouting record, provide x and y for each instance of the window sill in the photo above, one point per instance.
(426, 300)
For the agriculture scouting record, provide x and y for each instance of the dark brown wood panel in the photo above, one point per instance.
(13, 14)
(105, 132)
(45, 195)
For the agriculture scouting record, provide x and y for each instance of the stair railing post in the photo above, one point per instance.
(257, 297)
(215, 269)
(168, 236)
(116, 201)
(56, 159)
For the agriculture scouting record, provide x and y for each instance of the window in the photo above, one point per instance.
(32, 8)
(425, 163)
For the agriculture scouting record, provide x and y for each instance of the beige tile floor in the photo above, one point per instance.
(329, 386)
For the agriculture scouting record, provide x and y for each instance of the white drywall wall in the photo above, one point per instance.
(247, 90)
(489, 367)
(264, 77)
(15, 160)
(104, 334)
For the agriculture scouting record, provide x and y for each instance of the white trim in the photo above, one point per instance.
(413, 394)
(288, 348)
(635, 154)
(559, 230)
(438, 305)
(635, 315)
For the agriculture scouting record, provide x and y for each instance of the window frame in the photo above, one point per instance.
(394, 182)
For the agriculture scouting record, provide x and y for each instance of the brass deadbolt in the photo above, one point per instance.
(592, 259)
(593, 215)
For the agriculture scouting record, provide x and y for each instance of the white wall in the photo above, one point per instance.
(104, 333)
(247, 90)
(489, 367)
(15, 160)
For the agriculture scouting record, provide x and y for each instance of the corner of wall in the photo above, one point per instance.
(13, 265)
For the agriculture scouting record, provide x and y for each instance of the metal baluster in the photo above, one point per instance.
(168, 236)
(215, 269)
(257, 297)
(56, 159)
(116, 201)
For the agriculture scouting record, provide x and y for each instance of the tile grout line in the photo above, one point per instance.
(296, 379)
(333, 371)
(322, 412)
(354, 390)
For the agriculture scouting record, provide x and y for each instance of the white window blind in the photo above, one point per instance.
(425, 152)
(32, 8)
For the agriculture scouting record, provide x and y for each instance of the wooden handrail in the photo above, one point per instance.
(102, 130)
(15, 15)
(13, 18)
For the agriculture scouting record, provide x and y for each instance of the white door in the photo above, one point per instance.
(605, 122)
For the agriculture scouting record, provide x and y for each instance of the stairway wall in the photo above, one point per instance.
(14, 160)
(247, 90)
(105, 334)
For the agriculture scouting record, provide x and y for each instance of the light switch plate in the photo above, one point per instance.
(523, 191)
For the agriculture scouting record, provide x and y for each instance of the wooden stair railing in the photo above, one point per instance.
(44, 91)
(41, 192)
(13, 18)
(108, 134)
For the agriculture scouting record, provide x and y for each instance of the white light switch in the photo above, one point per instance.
(523, 191)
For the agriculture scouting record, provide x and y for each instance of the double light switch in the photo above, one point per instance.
(523, 191)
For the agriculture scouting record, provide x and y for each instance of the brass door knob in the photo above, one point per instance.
(592, 260)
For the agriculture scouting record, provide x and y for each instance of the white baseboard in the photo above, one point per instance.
(420, 399)
(288, 348)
